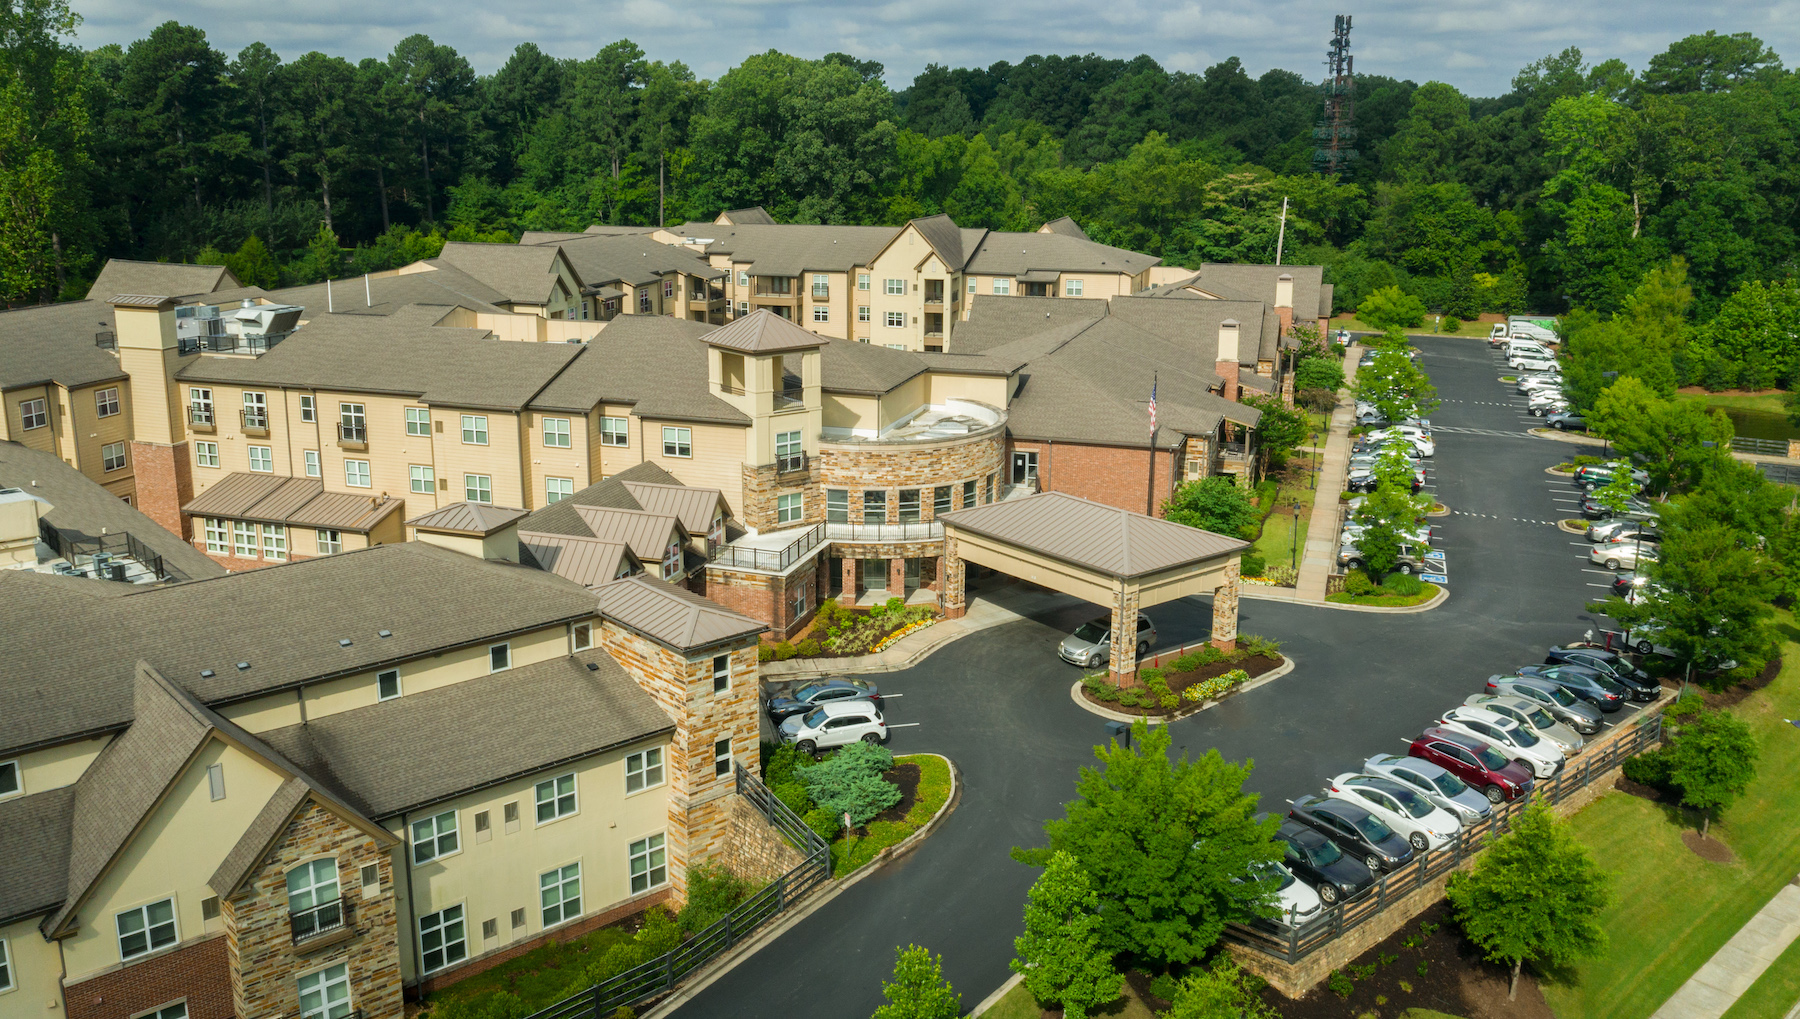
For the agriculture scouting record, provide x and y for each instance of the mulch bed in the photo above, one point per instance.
(1646, 792)
(1456, 981)
(807, 631)
(1255, 665)
(906, 776)
(1708, 849)
(1731, 695)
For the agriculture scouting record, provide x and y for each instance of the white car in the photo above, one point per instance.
(1543, 757)
(1527, 713)
(1623, 555)
(1298, 903)
(1434, 783)
(1353, 532)
(835, 724)
(1424, 824)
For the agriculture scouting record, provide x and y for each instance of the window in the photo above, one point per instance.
(1003, 286)
(370, 878)
(895, 319)
(311, 457)
(649, 864)
(581, 637)
(434, 837)
(206, 454)
(490, 928)
(671, 561)
(614, 432)
(971, 284)
(387, 685)
(821, 313)
(112, 456)
(894, 288)
(644, 301)
(478, 487)
(643, 770)
(418, 421)
(1025, 467)
(1071, 288)
(722, 757)
(511, 813)
(9, 778)
(326, 994)
(789, 508)
(968, 494)
(668, 289)
(821, 285)
(474, 429)
(743, 278)
(200, 406)
(678, 441)
(145, 929)
(176, 1011)
(559, 891)
(788, 453)
(6, 977)
(862, 313)
(721, 673)
(215, 535)
(442, 940)
(909, 505)
(313, 897)
(256, 410)
(556, 433)
(356, 473)
(274, 541)
(862, 281)
(215, 781)
(243, 539)
(307, 412)
(423, 478)
(987, 490)
(518, 918)
(940, 500)
(499, 657)
(556, 798)
(262, 459)
(106, 401)
(743, 308)
(875, 506)
(558, 489)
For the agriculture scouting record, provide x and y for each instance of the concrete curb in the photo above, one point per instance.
(1439, 599)
(730, 960)
(1568, 476)
(1563, 526)
(1576, 438)
(1286, 666)
(1017, 978)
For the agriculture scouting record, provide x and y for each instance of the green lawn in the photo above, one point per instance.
(1019, 1004)
(1774, 992)
(1673, 910)
(1276, 542)
(850, 851)
(1769, 401)
(1387, 601)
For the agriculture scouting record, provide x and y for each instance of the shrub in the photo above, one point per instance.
(765, 653)
(824, 823)
(1424, 966)
(1253, 644)
(1282, 573)
(1252, 564)
(793, 795)
(1386, 959)
(1340, 984)
(851, 782)
(1362, 972)
(1108, 692)
(659, 933)
(784, 651)
(1164, 987)
(1320, 373)
(1319, 400)
(783, 763)
(1153, 677)
(1404, 585)
(1356, 582)
(808, 648)
(1130, 696)
(713, 891)
(1406, 987)
(1651, 769)
(1452, 324)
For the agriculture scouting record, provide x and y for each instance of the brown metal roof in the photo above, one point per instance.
(694, 507)
(671, 615)
(474, 518)
(586, 561)
(1116, 542)
(645, 533)
(299, 501)
(762, 332)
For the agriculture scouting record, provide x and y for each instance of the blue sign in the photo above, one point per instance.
(1435, 578)
(1434, 555)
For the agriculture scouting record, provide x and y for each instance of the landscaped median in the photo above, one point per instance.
(887, 798)
(1397, 590)
(1192, 681)
(839, 632)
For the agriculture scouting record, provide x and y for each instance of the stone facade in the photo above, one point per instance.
(1225, 609)
(195, 971)
(699, 798)
(1124, 636)
(265, 961)
(756, 851)
(1115, 476)
(859, 467)
(165, 483)
(763, 484)
(769, 597)
(953, 595)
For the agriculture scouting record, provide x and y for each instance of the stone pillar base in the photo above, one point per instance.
(1224, 644)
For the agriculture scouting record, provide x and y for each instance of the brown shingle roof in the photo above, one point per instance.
(753, 215)
(475, 518)
(762, 332)
(1009, 254)
(656, 363)
(124, 276)
(793, 248)
(34, 842)
(1064, 225)
(269, 823)
(1112, 541)
(55, 343)
(302, 502)
(524, 273)
(671, 615)
(601, 259)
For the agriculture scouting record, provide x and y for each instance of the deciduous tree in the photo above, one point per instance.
(918, 990)
(1713, 760)
(1059, 954)
(1216, 504)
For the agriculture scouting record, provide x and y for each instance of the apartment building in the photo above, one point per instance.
(632, 274)
(394, 768)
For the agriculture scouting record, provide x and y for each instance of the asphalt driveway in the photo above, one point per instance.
(997, 703)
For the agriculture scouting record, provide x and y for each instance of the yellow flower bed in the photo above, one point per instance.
(883, 644)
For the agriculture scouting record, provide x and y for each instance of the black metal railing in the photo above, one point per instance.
(254, 419)
(81, 552)
(660, 975)
(925, 530)
(774, 560)
(200, 416)
(323, 918)
(1293, 943)
(353, 433)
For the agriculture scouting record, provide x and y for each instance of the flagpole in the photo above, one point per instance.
(1150, 486)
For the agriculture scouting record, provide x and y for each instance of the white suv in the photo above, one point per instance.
(835, 724)
(1519, 742)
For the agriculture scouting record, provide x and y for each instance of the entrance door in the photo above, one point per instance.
(874, 574)
(1024, 468)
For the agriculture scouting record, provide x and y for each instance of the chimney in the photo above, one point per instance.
(1227, 358)
(149, 353)
(1284, 301)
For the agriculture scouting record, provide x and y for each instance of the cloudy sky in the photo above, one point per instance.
(1476, 45)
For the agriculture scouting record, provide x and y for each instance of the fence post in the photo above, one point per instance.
(1293, 936)
(595, 991)
(780, 893)
(730, 938)
(668, 971)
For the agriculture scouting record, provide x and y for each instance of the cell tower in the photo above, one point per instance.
(1335, 132)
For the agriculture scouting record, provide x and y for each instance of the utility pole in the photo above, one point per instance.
(659, 191)
(1281, 237)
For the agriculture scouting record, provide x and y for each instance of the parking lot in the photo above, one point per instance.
(997, 703)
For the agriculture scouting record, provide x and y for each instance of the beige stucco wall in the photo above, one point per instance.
(36, 970)
(57, 766)
(542, 462)
(940, 388)
(851, 410)
(491, 877)
(181, 844)
(718, 460)
(88, 432)
(44, 439)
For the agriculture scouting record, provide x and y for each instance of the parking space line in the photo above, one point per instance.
(903, 725)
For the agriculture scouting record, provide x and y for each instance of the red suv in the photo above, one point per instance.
(1475, 762)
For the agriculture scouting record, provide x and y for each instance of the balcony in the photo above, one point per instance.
(774, 552)
(790, 464)
(353, 436)
(320, 922)
(1238, 451)
(934, 293)
(200, 419)
(821, 291)
(924, 530)
(254, 422)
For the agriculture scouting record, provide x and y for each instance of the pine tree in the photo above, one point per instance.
(919, 990)
(1059, 953)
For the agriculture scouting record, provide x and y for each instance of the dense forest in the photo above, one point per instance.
(1560, 194)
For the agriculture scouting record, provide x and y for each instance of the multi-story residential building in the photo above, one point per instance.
(393, 768)
(632, 274)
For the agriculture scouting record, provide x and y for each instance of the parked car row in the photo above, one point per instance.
(828, 713)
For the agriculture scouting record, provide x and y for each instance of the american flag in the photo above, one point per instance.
(1153, 405)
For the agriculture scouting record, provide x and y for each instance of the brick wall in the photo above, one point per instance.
(767, 598)
(197, 972)
(1114, 475)
(165, 483)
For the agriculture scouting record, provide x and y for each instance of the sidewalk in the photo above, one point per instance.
(1731, 971)
(1321, 535)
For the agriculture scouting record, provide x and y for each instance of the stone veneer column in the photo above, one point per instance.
(1225, 609)
(1124, 636)
(950, 591)
(847, 596)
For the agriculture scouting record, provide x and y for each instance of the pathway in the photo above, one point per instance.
(1731, 971)
(1321, 536)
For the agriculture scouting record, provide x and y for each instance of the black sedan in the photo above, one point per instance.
(1355, 830)
(1319, 862)
(811, 695)
(1608, 663)
(1635, 509)
(1625, 583)
(1585, 684)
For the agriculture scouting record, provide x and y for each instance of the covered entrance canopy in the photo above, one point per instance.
(1123, 560)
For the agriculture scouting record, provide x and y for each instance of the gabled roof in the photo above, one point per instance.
(1011, 254)
(846, 366)
(945, 238)
(792, 248)
(56, 343)
(995, 321)
(1065, 226)
(1116, 542)
(645, 533)
(1194, 325)
(585, 561)
(762, 332)
(634, 258)
(560, 517)
(34, 842)
(672, 616)
(471, 518)
(755, 214)
(124, 276)
(443, 289)
(523, 273)
(302, 502)
(694, 507)
(655, 363)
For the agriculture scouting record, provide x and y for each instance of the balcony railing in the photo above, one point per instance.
(254, 420)
(1234, 450)
(321, 919)
(790, 464)
(774, 560)
(821, 291)
(790, 398)
(924, 530)
(355, 434)
(202, 416)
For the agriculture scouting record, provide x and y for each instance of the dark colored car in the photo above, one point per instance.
(1567, 421)
(810, 695)
(1635, 508)
(1634, 683)
(1568, 709)
(1607, 663)
(1625, 583)
(1319, 862)
(1497, 776)
(1355, 830)
(1585, 684)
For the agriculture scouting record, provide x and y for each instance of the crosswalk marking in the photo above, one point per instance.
(1496, 516)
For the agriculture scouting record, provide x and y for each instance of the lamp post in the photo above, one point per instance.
(1313, 480)
(1294, 556)
(1605, 441)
